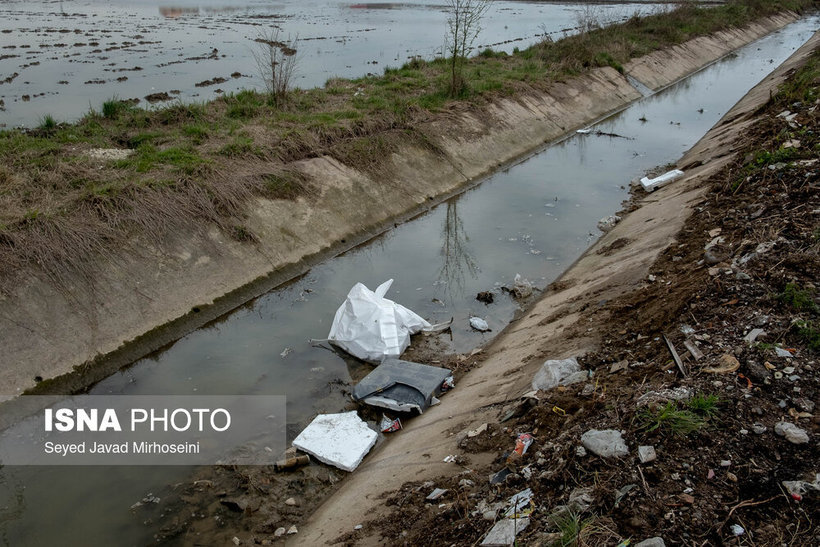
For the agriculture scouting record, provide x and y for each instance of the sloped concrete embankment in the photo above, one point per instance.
(553, 328)
(156, 291)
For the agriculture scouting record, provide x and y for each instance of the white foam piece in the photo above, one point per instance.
(341, 440)
(662, 180)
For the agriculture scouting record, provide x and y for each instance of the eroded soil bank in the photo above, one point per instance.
(82, 329)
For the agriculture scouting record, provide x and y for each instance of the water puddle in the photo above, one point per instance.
(61, 58)
(534, 218)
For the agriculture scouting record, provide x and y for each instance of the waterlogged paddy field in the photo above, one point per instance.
(64, 57)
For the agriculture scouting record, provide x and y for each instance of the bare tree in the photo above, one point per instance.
(463, 25)
(276, 60)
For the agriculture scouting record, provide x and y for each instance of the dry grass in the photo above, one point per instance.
(197, 165)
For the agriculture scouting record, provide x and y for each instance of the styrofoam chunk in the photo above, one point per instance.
(652, 184)
(341, 440)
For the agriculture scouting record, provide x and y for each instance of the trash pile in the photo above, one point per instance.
(376, 330)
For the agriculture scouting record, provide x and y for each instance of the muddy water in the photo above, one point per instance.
(61, 58)
(534, 219)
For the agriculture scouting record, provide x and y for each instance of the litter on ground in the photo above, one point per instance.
(402, 386)
(341, 440)
(653, 184)
(371, 327)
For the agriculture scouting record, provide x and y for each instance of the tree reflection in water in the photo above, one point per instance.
(458, 263)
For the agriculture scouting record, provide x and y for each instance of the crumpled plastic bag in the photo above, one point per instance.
(371, 327)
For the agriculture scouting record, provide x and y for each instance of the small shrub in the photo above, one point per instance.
(798, 298)
(809, 331)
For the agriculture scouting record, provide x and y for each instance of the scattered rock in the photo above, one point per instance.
(607, 443)
(664, 396)
(651, 542)
(757, 372)
(292, 530)
(647, 454)
(291, 502)
(619, 366)
(792, 433)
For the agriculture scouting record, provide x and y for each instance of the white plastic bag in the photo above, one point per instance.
(371, 327)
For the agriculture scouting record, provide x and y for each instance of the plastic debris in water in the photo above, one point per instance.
(479, 324)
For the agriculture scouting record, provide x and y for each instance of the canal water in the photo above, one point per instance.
(534, 219)
(64, 57)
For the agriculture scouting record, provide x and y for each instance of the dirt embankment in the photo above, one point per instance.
(75, 333)
(724, 263)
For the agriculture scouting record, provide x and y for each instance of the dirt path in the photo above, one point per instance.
(559, 325)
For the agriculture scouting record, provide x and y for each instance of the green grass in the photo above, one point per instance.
(809, 332)
(802, 86)
(680, 418)
(798, 298)
(241, 146)
(570, 525)
(147, 157)
(47, 123)
(197, 132)
(113, 108)
(704, 405)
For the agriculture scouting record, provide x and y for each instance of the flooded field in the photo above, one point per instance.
(61, 58)
(533, 219)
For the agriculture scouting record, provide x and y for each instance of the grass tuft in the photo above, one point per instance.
(679, 421)
(798, 298)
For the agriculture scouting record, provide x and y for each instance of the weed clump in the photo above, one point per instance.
(798, 298)
(694, 416)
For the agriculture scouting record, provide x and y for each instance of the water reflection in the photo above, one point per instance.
(458, 261)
